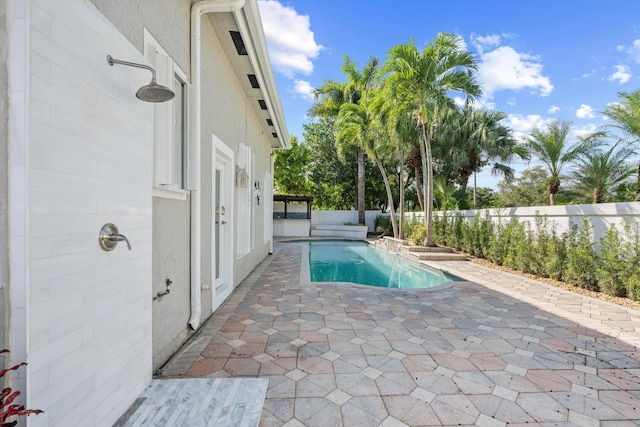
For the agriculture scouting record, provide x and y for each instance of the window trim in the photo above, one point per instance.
(173, 190)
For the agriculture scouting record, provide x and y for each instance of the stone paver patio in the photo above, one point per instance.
(504, 350)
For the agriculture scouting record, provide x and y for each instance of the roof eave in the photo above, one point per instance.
(250, 26)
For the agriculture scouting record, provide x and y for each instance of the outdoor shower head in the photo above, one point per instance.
(153, 92)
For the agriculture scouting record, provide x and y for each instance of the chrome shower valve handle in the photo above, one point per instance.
(110, 236)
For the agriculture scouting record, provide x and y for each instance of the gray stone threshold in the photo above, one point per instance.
(199, 402)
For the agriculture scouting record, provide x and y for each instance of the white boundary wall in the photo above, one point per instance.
(340, 217)
(301, 227)
(601, 216)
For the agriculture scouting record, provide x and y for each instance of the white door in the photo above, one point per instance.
(222, 230)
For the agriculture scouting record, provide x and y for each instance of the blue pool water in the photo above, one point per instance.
(358, 262)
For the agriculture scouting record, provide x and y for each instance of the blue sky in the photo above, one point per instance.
(539, 60)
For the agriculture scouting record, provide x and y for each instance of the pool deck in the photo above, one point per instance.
(498, 350)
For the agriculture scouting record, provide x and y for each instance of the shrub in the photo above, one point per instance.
(582, 258)
(570, 257)
(418, 234)
(631, 256)
(514, 237)
(456, 234)
(611, 268)
(555, 262)
(409, 227)
(382, 224)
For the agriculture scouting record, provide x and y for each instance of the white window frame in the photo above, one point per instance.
(167, 71)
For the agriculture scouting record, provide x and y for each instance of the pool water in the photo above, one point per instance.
(358, 262)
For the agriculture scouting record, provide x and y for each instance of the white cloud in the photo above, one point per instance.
(622, 74)
(523, 125)
(303, 89)
(620, 48)
(291, 42)
(585, 112)
(504, 68)
(610, 104)
(483, 42)
(483, 103)
(553, 109)
(634, 51)
(577, 134)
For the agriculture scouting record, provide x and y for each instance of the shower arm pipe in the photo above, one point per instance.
(194, 180)
(112, 61)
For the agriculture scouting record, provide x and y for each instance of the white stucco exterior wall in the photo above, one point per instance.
(89, 159)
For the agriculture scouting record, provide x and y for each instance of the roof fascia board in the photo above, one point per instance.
(250, 26)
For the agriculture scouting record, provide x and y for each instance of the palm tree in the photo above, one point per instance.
(332, 96)
(552, 149)
(473, 138)
(600, 173)
(626, 116)
(444, 195)
(426, 79)
(484, 139)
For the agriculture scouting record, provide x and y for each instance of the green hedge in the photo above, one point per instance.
(570, 257)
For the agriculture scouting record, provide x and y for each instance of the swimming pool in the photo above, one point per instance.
(358, 262)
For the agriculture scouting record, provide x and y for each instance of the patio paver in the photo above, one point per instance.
(499, 350)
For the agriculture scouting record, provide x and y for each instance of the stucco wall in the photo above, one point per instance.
(171, 260)
(226, 113)
(167, 20)
(90, 162)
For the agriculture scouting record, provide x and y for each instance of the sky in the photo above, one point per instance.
(539, 60)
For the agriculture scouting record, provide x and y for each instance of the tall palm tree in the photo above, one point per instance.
(395, 136)
(426, 79)
(483, 140)
(552, 148)
(626, 116)
(332, 96)
(356, 124)
(600, 173)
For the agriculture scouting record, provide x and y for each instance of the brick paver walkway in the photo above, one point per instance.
(501, 351)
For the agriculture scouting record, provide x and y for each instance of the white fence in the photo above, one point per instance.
(601, 216)
(342, 217)
(297, 226)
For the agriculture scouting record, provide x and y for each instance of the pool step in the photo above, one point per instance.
(419, 253)
(440, 249)
(436, 256)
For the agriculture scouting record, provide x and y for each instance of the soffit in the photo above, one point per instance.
(271, 124)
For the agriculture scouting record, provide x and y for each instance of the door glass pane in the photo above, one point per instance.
(217, 218)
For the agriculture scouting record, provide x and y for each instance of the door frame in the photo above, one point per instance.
(222, 155)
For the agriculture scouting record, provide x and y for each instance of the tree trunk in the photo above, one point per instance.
(392, 211)
(554, 187)
(427, 181)
(419, 188)
(637, 198)
(401, 184)
(361, 218)
(429, 199)
(597, 195)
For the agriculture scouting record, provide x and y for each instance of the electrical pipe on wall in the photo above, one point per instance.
(197, 11)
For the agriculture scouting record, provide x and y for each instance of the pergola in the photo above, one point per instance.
(287, 198)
